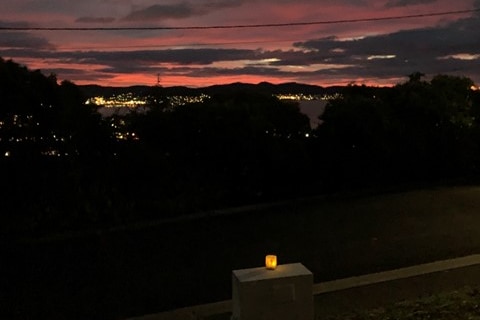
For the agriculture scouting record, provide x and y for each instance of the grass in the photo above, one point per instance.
(130, 272)
(463, 303)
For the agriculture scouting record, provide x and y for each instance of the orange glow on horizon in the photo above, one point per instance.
(198, 82)
(171, 81)
(96, 76)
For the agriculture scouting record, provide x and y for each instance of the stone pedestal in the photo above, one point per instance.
(281, 294)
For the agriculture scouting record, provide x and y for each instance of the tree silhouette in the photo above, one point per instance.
(41, 117)
(416, 130)
(50, 147)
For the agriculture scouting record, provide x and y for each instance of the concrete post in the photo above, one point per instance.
(281, 294)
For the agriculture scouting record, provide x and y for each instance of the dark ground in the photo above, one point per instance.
(124, 273)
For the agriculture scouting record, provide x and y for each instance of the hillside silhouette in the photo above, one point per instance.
(265, 87)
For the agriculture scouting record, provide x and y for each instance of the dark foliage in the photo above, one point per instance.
(232, 149)
(416, 131)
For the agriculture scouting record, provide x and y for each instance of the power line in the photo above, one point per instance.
(242, 26)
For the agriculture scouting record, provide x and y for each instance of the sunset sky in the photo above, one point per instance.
(332, 50)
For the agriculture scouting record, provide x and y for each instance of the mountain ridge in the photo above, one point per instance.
(263, 87)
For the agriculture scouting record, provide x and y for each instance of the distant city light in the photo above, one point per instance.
(306, 97)
(130, 100)
(123, 100)
(183, 100)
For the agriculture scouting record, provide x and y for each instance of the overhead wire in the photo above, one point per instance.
(242, 26)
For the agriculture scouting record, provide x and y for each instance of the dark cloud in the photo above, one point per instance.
(76, 74)
(402, 52)
(404, 3)
(252, 71)
(95, 20)
(21, 39)
(317, 2)
(161, 12)
(476, 5)
(461, 36)
(16, 24)
(181, 10)
(180, 56)
(124, 59)
(221, 4)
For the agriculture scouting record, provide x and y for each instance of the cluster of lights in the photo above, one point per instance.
(47, 153)
(122, 100)
(297, 97)
(119, 133)
(32, 139)
(129, 100)
(183, 100)
(54, 153)
(307, 97)
(126, 136)
(23, 121)
(19, 121)
(274, 133)
(20, 139)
